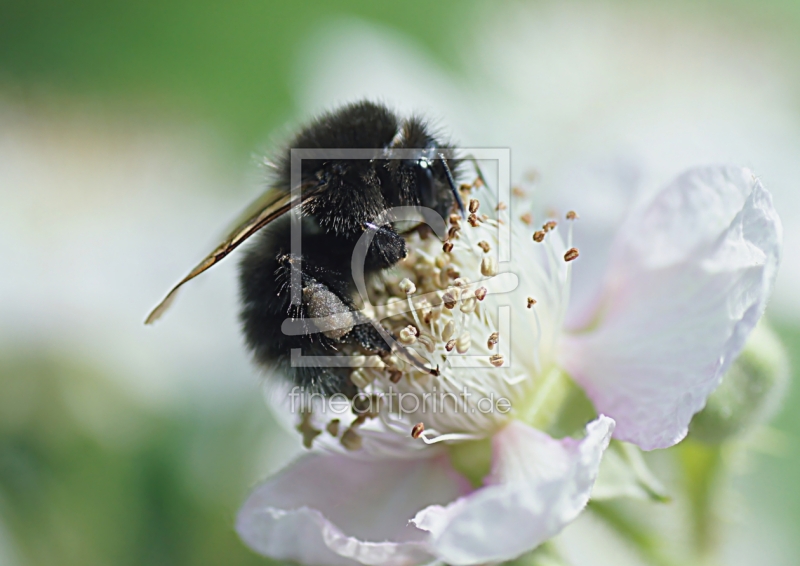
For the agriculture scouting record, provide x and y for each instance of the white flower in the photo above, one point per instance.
(688, 278)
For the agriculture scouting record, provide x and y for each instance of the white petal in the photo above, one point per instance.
(689, 278)
(537, 486)
(335, 509)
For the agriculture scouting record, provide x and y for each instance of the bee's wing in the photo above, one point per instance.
(264, 210)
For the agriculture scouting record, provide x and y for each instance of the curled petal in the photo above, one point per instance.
(689, 278)
(536, 487)
(335, 509)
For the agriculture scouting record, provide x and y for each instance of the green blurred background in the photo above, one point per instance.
(114, 448)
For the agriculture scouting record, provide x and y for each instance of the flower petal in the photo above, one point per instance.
(536, 487)
(336, 509)
(689, 278)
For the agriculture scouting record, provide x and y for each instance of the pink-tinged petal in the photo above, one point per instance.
(689, 278)
(335, 509)
(537, 486)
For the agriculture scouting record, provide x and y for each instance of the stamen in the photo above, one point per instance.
(473, 220)
(447, 247)
(572, 215)
(417, 430)
(488, 266)
(494, 338)
(333, 427)
(463, 343)
(527, 218)
(549, 225)
(484, 245)
(496, 360)
(473, 205)
(531, 302)
(538, 236)
(571, 254)
(480, 293)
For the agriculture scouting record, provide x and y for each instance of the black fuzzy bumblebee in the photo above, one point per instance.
(340, 199)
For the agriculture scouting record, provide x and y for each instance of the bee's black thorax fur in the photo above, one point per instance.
(352, 194)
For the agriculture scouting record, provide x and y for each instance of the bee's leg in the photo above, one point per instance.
(386, 247)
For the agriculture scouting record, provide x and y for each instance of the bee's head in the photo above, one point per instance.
(427, 177)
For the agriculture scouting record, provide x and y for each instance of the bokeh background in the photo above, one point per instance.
(132, 133)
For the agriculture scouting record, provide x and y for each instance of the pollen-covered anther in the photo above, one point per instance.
(417, 430)
(455, 219)
(452, 233)
(473, 205)
(572, 215)
(473, 220)
(453, 273)
(496, 360)
(361, 378)
(333, 427)
(527, 218)
(395, 375)
(531, 302)
(307, 430)
(447, 247)
(484, 245)
(450, 345)
(407, 286)
(448, 330)
(494, 338)
(488, 266)
(538, 236)
(351, 440)
(571, 254)
(549, 225)
(408, 335)
(451, 297)
(463, 343)
(480, 293)
(501, 206)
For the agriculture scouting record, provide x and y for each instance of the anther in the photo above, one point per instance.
(500, 206)
(531, 302)
(480, 293)
(463, 343)
(518, 191)
(473, 220)
(484, 245)
(478, 182)
(417, 431)
(451, 297)
(572, 215)
(395, 376)
(448, 330)
(450, 345)
(409, 334)
(407, 286)
(527, 218)
(571, 254)
(473, 205)
(488, 266)
(452, 233)
(549, 225)
(496, 360)
(494, 338)
(447, 247)
(538, 236)
(434, 371)
(333, 427)
(351, 440)
(455, 219)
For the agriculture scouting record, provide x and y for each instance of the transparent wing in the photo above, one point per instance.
(264, 210)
